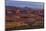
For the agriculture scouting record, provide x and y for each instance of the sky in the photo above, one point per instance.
(38, 5)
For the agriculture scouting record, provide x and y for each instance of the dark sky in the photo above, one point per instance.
(38, 5)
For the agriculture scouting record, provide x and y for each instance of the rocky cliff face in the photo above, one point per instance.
(25, 18)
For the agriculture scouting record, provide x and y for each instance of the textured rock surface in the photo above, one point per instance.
(26, 19)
